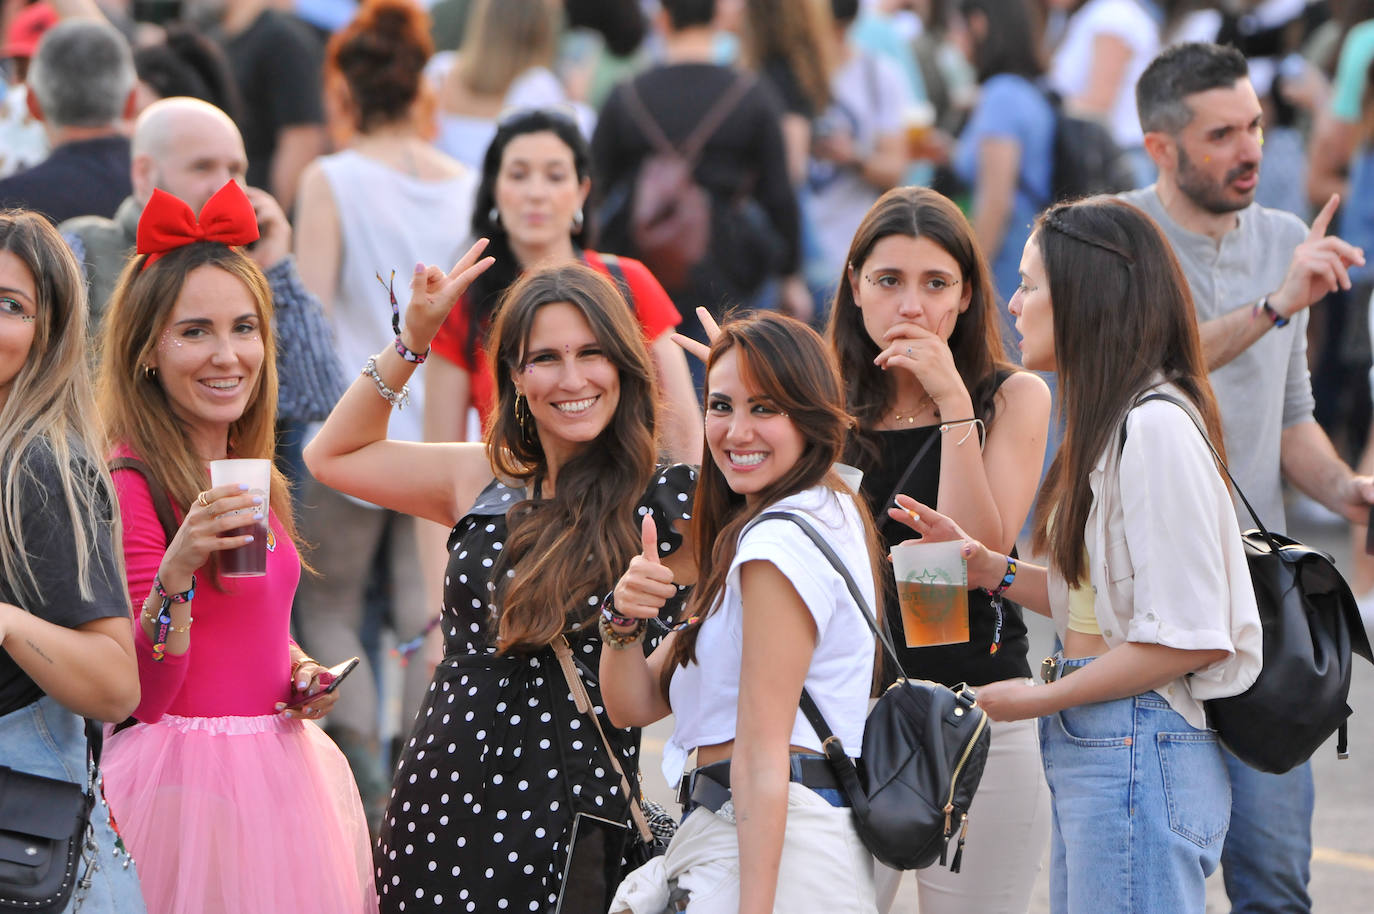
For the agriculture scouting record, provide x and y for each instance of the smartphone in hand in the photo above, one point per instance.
(337, 673)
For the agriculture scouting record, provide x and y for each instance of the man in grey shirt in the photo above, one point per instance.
(1253, 273)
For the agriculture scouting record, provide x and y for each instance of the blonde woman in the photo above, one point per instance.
(64, 617)
(504, 64)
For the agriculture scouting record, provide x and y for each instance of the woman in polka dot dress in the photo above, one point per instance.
(500, 759)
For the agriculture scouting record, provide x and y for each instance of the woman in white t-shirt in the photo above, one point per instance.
(769, 614)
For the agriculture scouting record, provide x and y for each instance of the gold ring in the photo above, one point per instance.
(202, 500)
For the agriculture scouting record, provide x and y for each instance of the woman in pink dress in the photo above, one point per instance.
(228, 794)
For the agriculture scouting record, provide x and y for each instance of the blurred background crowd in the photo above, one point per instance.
(383, 133)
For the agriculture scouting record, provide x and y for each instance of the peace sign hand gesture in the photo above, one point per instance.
(433, 293)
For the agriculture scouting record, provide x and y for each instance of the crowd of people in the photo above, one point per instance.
(612, 280)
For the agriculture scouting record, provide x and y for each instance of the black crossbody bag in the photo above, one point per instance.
(44, 824)
(924, 748)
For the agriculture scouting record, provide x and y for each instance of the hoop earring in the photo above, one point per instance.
(578, 221)
(494, 216)
(149, 372)
(523, 418)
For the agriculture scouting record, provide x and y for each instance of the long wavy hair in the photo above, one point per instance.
(51, 406)
(1123, 317)
(562, 552)
(133, 404)
(976, 341)
(789, 366)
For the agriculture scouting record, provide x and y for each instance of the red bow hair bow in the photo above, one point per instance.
(167, 222)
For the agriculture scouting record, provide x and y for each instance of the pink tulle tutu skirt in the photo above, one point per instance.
(240, 815)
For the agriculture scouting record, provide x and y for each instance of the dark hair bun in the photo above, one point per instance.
(381, 55)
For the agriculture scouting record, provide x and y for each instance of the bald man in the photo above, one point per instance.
(190, 149)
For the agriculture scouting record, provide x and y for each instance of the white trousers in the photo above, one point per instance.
(824, 866)
(1009, 829)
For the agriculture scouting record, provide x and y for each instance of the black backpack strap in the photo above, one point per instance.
(843, 765)
(162, 505)
(613, 267)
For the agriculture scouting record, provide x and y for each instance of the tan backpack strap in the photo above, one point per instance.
(583, 701)
(162, 505)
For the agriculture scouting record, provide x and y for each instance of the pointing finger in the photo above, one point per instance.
(1323, 220)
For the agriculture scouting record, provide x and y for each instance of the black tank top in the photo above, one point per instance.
(975, 663)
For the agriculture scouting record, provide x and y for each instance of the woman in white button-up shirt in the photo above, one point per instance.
(1147, 581)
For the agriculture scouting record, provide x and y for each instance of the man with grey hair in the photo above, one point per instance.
(80, 85)
(1253, 273)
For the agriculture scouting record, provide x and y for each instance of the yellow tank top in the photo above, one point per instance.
(1082, 617)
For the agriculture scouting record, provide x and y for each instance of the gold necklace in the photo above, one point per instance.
(911, 417)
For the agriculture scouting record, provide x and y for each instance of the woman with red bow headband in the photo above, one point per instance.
(222, 782)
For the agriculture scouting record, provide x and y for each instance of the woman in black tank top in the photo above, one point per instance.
(945, 418)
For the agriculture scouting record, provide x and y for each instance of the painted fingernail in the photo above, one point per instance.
(257, 499)
(419, 268)
(243, 487)
(257, 515)
(248, 539)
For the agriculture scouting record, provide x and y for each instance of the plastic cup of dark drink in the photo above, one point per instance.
(248, 561)
(932, 589)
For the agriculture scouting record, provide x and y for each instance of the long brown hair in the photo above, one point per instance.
(562, 553)
(1123, 318)
(797, 33)
(133, 404)
(51, 407)
(976, 341)
(790, 367)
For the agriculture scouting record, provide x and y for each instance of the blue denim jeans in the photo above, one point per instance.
(48, 740)
(1266, 859)
(1140, 804)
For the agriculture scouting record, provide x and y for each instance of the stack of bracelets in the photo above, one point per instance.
(609, 617)
(163, 620)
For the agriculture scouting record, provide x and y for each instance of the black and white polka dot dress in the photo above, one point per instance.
(500, 759)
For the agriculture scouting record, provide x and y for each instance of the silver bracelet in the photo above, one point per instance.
(398, 400)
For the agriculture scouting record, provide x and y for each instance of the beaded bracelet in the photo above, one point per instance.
(397, 399)
(620, 640)
(164, 615)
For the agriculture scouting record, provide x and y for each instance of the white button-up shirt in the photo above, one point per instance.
(1166, 561)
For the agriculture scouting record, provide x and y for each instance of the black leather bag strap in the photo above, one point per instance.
(911, 468)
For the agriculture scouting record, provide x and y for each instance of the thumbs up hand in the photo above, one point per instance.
(647, 584)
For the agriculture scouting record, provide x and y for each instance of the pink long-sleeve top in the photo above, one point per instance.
(239, 661)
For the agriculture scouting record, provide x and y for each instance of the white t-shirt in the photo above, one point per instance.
(1072, 64)
(868, 96)
(705, 694)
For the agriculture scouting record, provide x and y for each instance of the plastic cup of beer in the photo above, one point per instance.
(852, 477)
(932, 588)
(248, 561)
(918, 119)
